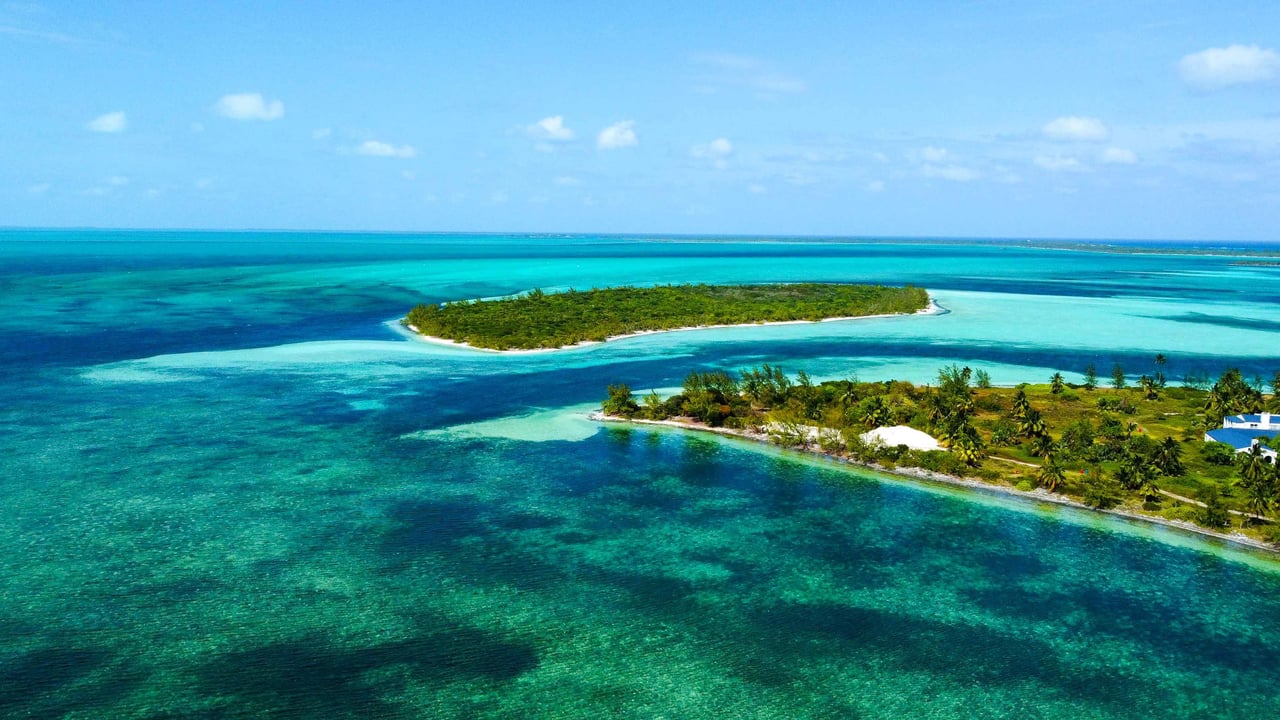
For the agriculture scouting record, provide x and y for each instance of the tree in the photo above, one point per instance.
(1168, 457)
(1090, 377)
(968, 448)
(1258, 479)
(1117, 377)
(1077, 438)
(1214, 513)
(1159, 378)
(1042, 445)
(1137, 473)
(1021, 406)
(1216, 453)
(1056, 384)
(1100, 491)
(1050, 475)
(1150, 387)
(1231, 395)
(620, 402)
(873, 412)
(1032, 424)
(982, 379)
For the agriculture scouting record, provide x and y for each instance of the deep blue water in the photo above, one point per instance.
(231, 490)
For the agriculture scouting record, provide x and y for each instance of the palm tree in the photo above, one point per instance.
(968, 447)
(873, 412)
(1050, 475)
(1020, 405)
(1161, 360)
(1138, 473)
(1150, 388)
(1168, 457)
(1258, 478)
(1042, 445)
(1056, 384)
(1032, 425)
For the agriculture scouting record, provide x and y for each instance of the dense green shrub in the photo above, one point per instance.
(544, 320)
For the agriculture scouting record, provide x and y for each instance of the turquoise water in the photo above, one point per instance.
(230, 489)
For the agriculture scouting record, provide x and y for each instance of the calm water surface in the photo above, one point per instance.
(231, 490)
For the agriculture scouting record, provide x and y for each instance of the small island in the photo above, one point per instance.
(542, 320)
(1146, 450)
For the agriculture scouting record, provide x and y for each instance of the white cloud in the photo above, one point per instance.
(618, 135)
(249, 106)
(1057, 163)
(875, 186)
(954, 173)
(117, 180)
(1217, 68)
(409, 175)
(1075, 128)
(380, 149)
(39, 188)
(566, 180)
(757, 189)
(550, 128)
(112, 122)
(1119, 156)
(716, 151)
(197, 127)
(321, 133)
(934, 154)
(719, 147)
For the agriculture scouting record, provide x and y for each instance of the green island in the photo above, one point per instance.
(540, 319)
(1137, 449)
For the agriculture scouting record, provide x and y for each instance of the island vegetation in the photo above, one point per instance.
(1139, 447)
(551, 320)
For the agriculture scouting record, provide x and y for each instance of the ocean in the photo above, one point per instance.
(231, 488)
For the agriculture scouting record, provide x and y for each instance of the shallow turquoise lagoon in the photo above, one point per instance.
(230, 489)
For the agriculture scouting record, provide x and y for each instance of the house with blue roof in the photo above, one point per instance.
(1242, 432)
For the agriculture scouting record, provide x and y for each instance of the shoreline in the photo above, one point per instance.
(933, 308)
(1037, 495)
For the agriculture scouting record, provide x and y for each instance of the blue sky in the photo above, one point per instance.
(994, 119)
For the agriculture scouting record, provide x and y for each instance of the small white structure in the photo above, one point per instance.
(901, 435)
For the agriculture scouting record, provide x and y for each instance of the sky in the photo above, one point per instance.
(1080, 119)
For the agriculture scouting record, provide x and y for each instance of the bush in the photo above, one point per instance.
(1100, 491)
(1270, 532)
(1216, 453)
(1025, 485)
